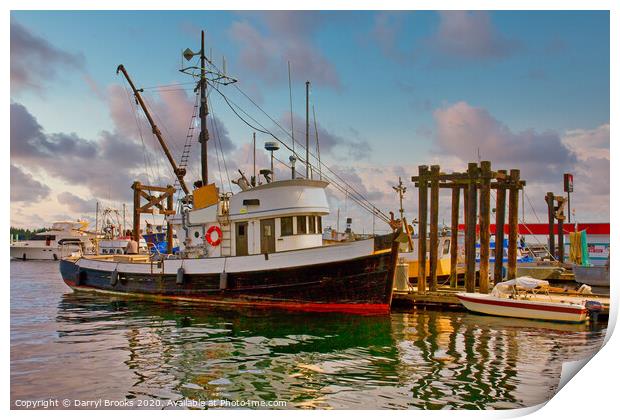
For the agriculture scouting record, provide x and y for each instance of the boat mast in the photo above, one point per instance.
(307, 131)
(204, 111)
(179, 172)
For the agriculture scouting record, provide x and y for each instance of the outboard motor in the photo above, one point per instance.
(594, 308)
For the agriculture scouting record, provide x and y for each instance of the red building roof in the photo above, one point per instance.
(543, 228)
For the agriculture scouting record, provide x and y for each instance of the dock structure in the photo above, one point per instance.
(476, 183)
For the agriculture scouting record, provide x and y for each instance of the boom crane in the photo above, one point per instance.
(179, 172)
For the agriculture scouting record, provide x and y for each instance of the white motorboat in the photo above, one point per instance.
(525, 297)
(63, 239)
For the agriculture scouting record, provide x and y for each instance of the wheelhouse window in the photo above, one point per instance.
(302, 225)
(312, 223)
(319, 223)
(286, 226)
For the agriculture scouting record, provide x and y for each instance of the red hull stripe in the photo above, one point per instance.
(524, 305)
(352, 308)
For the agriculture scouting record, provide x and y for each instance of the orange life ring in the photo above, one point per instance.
(218, 239)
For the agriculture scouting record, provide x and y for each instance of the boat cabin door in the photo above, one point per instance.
(241, 239)
(267, 236)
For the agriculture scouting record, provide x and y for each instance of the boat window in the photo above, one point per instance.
(312, 224)
(319, 222)
(286, 226)
(241, 229)
(302, 226)
(196, 234)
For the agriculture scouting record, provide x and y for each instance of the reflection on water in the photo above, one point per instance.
(79, 346)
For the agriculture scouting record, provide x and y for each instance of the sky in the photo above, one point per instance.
(391, 91)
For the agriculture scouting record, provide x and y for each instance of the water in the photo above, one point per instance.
(86, 347)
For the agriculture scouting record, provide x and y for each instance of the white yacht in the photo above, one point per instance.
(63, 239)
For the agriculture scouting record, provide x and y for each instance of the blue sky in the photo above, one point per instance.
(388, 87)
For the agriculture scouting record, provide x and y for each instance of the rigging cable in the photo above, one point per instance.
(353, 193)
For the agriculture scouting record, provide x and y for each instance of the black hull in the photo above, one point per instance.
(360, 285)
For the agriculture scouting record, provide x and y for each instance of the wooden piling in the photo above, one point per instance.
(513, 223)
(169, 207)
(561, 237)
(470, 229)
(485, 210)
(136, 213)
(422, 218)
(434, 227)
(550, 199)
(454, 232)
(500, 221)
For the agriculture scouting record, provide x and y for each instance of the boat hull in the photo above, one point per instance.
(592, 276)
(530, 309)
(51, 253)
(362, 284)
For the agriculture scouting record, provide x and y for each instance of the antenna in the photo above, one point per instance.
(290, 99)
(318, 151)
(272, 146)
(206, 76)
(254, 138)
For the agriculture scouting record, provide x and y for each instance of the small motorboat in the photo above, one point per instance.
(526, 297)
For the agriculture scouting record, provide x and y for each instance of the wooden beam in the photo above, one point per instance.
(513, 223)
(454, 184)
(454, 232)
(434, 227)
(422, 210)
(500, 221)
(485, 215)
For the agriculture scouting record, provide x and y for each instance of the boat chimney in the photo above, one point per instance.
(293, 159)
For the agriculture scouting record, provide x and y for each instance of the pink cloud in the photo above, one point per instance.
(471, 35)
(288, 37)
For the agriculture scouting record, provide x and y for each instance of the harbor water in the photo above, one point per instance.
(128, 353)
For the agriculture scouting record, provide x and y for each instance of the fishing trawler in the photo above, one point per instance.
(261, 246)
(62, 239)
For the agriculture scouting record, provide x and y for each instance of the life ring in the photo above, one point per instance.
(218, 239)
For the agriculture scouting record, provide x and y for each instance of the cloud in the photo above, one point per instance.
(543, 157)
(386, 32)
(76, 204)
(470, 35)
(287, 36)
(338, 146)
(462, 130)
(593, 143)
(34, 61)
(107, 166)
(24, 188)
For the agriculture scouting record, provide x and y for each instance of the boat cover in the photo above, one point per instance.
(523, 283)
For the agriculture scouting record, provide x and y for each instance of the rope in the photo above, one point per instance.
(219, 142)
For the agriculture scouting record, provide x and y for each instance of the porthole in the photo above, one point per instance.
(196, 234)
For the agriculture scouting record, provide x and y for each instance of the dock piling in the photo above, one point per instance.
(485, 216)
(513, 222)
(470, 228)
(500, 221)
(434, 227)
(423, 210)
(454, 232)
